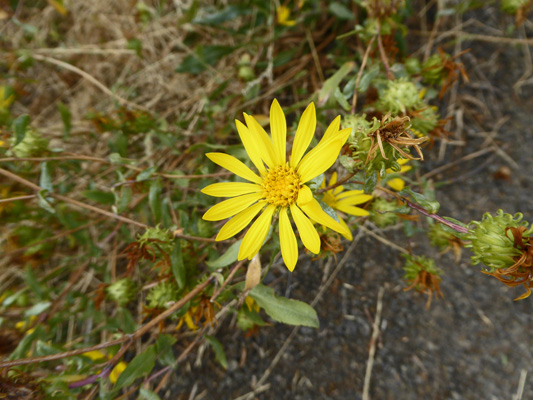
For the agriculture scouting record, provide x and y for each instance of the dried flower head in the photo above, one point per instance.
(423, 275)
(394, 133)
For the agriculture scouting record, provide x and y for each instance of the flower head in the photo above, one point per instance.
(398, 183)
(280, 185)
(345, 201)
(283, 14)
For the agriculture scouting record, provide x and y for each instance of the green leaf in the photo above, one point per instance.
(146, 174)
(25, 344)
(281, 309)
(43, 201)
(227, 14)
(123, 199)
(333, 82)
(148, 395)
(368, 76)
(125, 320)
(371, 180)
(141, 365)
(99, 196)
(340, 11)
(154, 198)
(46, 177)
(177, 265)
(228, 258)
(136, 45)
(220, 355)
(341, 99)
(66, 117)
(19, 126)
(164, 345)
(431, 206)
(37, 308)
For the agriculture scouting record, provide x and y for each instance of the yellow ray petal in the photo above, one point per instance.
(254, 238)
(333, 128)
(231, 189)
(251, 146)
(265, 144)
(239, 221)
(278, 129)
(234, 165)
(322, 156)
(350, 193)
(228, 208)
(304, 195)
(304, 134)
(347, 228)
(306, 230)
(396, 183)
(287, 238)
(352, 210)
(354, 200)
(315, 212)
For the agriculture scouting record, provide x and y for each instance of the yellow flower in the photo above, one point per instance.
(283, 14)
(398, 183)
(96, 355)
(187, 318)
(280, 185)
(345, 202)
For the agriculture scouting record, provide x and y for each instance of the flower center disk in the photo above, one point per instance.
(281, 186)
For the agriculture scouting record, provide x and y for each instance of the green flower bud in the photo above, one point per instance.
(399, 96)
(162, 294)
(163, 238)
(414, 265)
(490, 242)
(425, 120)
(382, 214)
(433, 70)
(122, 291)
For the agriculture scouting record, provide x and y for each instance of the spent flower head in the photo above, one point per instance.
(279, 186)
(423, 276)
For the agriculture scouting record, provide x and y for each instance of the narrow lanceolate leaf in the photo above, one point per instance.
(281, 309)
(140, 366)
(154, 198)
(228, 258)
(177, 265)
(46, 177)
(20, 125)
(220, 355)
(333, 82)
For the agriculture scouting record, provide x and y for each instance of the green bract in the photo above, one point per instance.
(162, 294)
(122, 291)
(399, 96)
(490, 242)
